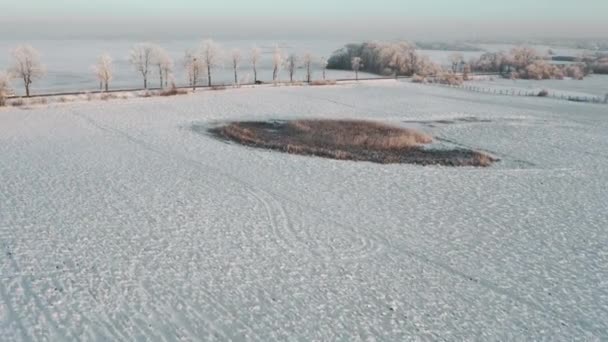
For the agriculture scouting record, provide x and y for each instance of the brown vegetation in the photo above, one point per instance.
(348, 140)
(322, 82)
(173, 91)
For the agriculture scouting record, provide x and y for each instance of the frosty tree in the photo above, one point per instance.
(277, 62)
(457, 60)
(164, 64)
(5, 87)
(211, 53)
(256, 54)
(324, 66)
(357, 64)
(103, 71)
(194, 68)
(523, 56)
(236, 58)
(292, 64)
(26, 66)
(141, 57)
(308, 60)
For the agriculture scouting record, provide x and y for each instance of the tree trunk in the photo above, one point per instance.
(255, 74)
(209, 74)
(274, 74)
(357, 75)
(160, 72)
(107, 86)
(308, 73)
(324, 74)
(145, 83)
(236, 78)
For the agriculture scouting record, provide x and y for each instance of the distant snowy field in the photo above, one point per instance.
(119, 222)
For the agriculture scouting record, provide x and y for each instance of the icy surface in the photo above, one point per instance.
(119, 222)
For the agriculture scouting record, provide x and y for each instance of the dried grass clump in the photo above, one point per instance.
(323, 82)
(173, 92)
(449, 78)
(348, 140)
(418, 79)
(16, 103)
(543, 93)
(220, 87)
(365, 134)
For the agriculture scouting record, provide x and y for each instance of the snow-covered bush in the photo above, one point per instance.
(449, 78)
(400, 59)
(5, 88)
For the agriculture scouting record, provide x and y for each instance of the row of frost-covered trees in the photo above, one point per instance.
(402, 59)
(151, 60)
(383, 58)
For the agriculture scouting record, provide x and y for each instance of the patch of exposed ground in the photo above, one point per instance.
(348, 140)
(435, 123)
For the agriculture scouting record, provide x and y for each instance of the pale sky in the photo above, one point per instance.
(467, 18)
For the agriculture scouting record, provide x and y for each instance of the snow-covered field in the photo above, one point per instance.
(118, 221)
(591, 86)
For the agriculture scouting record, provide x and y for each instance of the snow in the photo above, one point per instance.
(119, 221)
(592, 86)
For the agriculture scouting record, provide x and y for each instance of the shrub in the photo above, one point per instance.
(17, 102)
(5, 88)
(382, 58)
(543, 93)
(173, 91)
(418, 79)
(449, 78)
(323, 82)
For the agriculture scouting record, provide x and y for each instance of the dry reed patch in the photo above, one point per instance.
(323, 82)
(348, 140)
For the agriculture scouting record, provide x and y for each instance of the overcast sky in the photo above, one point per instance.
(312, 18)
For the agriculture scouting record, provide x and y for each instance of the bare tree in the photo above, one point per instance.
(236, 63)
(256, 54)
(141, 57)
(357, 64)
(324, 64)
(103, 71)
(211, 54)
(162, 60)
(194, 68)
(292, 64)
(26, 66)
(457, 60)
(308, 60)
(277, 62)
(5, 87)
